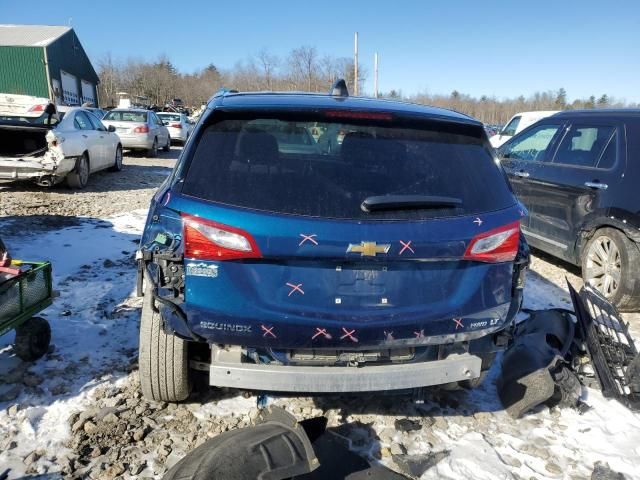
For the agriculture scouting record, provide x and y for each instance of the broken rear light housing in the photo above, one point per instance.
(37, 108)
(209, 240)
(497, 245)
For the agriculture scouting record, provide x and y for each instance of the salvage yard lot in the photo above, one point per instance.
(79, 411)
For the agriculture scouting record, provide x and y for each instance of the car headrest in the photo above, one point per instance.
(358, 146)
(258, 147)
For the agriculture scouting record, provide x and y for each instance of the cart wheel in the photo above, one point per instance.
(32, 339)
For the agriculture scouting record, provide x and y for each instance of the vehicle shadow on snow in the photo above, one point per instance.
(94, 321)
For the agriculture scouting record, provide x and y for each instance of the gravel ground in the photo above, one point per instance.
(121, 435)
(107, 193)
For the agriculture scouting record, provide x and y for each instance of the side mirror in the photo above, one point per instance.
(165, 123)
(111, 128)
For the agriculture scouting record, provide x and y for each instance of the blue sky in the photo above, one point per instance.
(502, 48)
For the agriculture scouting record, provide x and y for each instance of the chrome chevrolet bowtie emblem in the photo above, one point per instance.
(368, 249)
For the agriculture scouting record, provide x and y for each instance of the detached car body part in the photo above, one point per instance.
(554, 351)
(277, 447)
(577, 173)
(39, 143)
(387, 257)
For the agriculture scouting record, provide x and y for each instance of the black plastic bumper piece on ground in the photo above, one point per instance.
(534, 367)
(276, 449)
(612, 351)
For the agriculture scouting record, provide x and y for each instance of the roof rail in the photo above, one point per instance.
(339, 88)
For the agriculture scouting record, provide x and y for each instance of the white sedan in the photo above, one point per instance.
(178, 124)
(37, 145)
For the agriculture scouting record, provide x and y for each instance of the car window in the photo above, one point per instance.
(531, 145)
(82, 122)
(608, 157)
(169, 117)
(511, 127)
(126, 116)
(584, 145)
(97, 124)
(249, 163)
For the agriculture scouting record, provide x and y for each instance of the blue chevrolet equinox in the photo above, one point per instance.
(327, 243)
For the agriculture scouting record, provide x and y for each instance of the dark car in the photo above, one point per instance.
(578, 174)
(396, 249)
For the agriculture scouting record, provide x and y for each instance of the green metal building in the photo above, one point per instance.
(46, 61)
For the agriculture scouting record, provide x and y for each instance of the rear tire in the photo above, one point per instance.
(623, 265)
(79, 178)
(32, 339)
(167, 147)
(117, 164)
(153, 151)
(163, 359)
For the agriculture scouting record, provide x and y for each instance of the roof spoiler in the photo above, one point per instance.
(339, 88)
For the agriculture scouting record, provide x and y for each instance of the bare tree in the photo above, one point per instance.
(303, 64)
(269, 64)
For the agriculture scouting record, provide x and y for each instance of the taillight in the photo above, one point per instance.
(37, 108)
(175, 125)
(207, 240)
(497, 245)
(141, 129)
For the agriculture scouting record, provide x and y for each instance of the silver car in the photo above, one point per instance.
(139, 130)
(178, 124)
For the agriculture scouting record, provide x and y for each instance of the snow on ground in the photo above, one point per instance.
(93, 329)
(95, 332)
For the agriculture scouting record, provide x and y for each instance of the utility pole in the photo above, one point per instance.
(375, 77)
(355, 66)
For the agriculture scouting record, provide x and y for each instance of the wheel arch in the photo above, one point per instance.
(626, 222)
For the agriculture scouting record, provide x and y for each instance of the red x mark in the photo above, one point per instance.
(406, 246)
(307, 237)
(349, 334)
(419, 334)
(267, 331)
(295, 288)
(458, 323)
(323, 332)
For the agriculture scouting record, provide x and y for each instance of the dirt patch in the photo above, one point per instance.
(108, 193)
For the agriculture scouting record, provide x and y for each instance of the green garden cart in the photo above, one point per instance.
(26, 290)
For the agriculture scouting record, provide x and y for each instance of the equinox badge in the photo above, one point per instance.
(368, 249)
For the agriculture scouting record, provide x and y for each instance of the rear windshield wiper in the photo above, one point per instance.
(408, 202)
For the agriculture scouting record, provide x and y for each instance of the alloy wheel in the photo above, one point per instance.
(604, 268)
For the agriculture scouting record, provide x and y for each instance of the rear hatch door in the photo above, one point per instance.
(363, 241)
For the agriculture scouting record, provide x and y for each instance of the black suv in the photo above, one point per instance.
(578, 174)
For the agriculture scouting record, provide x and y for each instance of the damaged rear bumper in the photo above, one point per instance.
(35, 168)
(228, 370)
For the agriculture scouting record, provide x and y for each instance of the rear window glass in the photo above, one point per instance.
(327, 169)
(169, 117)
(126, 116)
